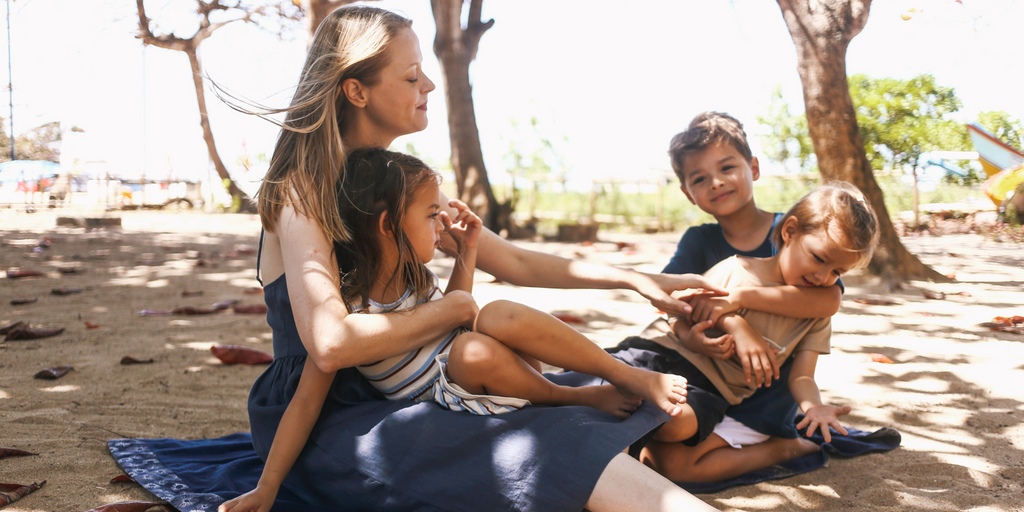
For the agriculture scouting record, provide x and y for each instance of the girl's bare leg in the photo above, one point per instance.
(627, 485)
(483, 365)
(548, 339)
(713, 459)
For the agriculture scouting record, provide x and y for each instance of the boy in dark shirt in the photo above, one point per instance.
(717, 170)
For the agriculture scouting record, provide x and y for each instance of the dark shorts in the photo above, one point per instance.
(770, 410)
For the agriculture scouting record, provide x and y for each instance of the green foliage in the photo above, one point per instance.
(534, 155)
(39, 143)
(789, 138)
(901, 119)
(1003, 127)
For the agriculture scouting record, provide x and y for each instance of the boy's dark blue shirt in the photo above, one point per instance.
(702, 247)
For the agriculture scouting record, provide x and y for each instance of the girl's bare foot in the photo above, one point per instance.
(664, 390)
(609, 399)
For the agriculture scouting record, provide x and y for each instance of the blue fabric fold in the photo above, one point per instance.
(858, 442)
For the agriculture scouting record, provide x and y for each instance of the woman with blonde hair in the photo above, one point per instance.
(363, 86)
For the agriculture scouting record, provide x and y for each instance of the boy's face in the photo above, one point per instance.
(719, 180)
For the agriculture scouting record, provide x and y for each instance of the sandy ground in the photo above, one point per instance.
(955, 390)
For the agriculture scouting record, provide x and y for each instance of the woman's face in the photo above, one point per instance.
(397, 104)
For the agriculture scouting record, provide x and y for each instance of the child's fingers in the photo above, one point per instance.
(843, 411)
(839, 428)
(446, 221)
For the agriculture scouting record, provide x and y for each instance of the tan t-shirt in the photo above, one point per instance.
(789, 334)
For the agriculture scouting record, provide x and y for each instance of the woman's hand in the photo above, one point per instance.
(710, 308)
(658, 289)
(259, 499)
(823, 417)
(466, 226)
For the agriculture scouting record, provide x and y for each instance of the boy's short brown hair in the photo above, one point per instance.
(706, 129)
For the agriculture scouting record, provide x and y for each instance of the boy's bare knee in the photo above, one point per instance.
(680, 428)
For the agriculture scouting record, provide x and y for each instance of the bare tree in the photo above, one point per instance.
(822, 31)
(190, 46)
(456, 47)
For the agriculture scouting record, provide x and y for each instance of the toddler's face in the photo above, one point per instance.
(719, 180)
(814, 259)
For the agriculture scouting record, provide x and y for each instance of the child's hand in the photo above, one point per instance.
(758, 359)
(256, 500)
(823, 417)
(662, 289)
(693, 338)
(466, 226)
(707, 307)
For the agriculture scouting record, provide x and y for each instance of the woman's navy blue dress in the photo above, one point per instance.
(366, 453)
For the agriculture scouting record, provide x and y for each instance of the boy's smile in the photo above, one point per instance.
(719, 180)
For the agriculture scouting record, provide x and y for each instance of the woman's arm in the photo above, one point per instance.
(292, 434)
(808, 397)
(335, 339)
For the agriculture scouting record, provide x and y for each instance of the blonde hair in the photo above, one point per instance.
(309, 156)
(706, 129)
(837, 204)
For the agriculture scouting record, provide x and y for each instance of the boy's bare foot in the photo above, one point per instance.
(664, 390)
(609, 399)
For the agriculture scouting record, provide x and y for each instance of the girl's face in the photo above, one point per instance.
(813, 259)
(421, 223)
(397, 104)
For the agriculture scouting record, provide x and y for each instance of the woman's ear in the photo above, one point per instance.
(789, 229)
(355, 92)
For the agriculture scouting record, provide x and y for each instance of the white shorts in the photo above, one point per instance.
(451, 396)
(738, 434)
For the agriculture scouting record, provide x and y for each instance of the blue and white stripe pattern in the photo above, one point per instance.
(420, 375)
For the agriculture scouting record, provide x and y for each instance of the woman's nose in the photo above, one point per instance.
(428, 83)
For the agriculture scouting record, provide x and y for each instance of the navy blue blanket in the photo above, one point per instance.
(197, 476)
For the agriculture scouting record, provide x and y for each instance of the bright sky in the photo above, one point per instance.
(616, 79)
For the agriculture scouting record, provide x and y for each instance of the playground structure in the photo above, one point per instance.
(1004, 166)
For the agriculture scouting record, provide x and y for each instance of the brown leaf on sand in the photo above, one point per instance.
(250, 309)
(131, 360)
(90, 325)
(876, 302)
(131, 506)
(191, 293)
(19, 274)
(255, 290)
(71, 270)
(19, 302)
(14, 452)
(53, 373)
(879, 358)
(193, 310)
(1011, 324)
(10, 327)
(65, 291)
(934, 295)
(9, 493)
(224, 304)
(235, 354)
(122, 478)
(25, 332)
(569, 318)
(964, 294)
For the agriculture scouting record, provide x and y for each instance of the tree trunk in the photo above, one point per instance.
(246, 204)
(190, 47)
(317, 10)
(456, 48)
(822, 31)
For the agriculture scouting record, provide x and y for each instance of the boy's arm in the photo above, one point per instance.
(805, 392)
(290, 439)
(791, 301)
